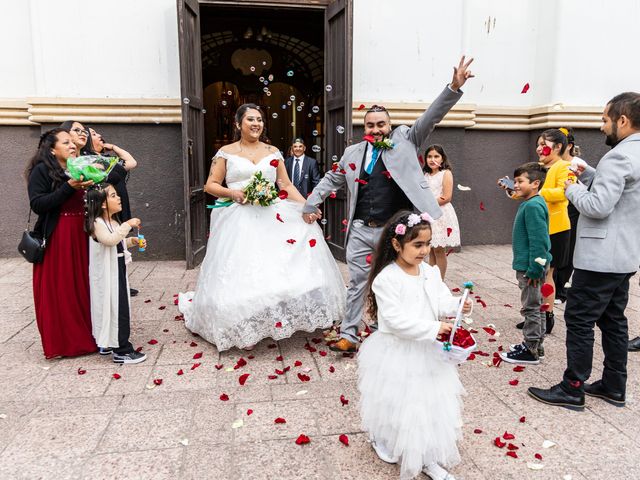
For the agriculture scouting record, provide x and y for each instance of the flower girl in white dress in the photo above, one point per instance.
(410, 396)
(266, 272)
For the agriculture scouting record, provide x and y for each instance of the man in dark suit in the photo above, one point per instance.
(302, 169)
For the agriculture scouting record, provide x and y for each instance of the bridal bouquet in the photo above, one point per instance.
(260, 191)
(90, 167)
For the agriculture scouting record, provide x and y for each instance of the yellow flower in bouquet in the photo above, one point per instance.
(260, 191)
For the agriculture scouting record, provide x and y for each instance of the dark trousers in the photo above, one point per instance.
(562, 275)
(597, 299)
(124, 321)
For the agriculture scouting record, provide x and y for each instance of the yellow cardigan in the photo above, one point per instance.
(553, 193)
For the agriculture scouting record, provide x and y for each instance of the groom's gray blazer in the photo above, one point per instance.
(401, 162)
(608, 233)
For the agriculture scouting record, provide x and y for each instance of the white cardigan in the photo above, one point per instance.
(409, 307)
(103, 279)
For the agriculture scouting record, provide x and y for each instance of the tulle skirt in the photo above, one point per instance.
(266, 274)
(410, 401)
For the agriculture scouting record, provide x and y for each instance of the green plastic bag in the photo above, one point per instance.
(90, 167)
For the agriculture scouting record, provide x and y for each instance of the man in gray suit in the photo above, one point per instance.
(607, 255)
(380, 182)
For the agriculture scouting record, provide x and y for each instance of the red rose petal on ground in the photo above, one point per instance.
(496, 361)
(499, 443)
(538, 456)
(386, 173)
(153, 341)
(297, 363)
(513, 382)
(511, 446)
(279, 420)
(303, 377)
(449, 230)
(157, 381)
(523, 419)
(332, 369)
(175, 302)
(508, 305)
(283, 194)
(344, 439)
(322, 353)
(147, 301)
(512, 454)
(219, 366)
(477, 431)
(361, 106)
(279, 372)
(179, 317)
(343, 400)
(312, 242)
(180, 372)
(302, 440)
(279, 218)
(241, 363)
(193, 344)
(195, 365)
(352, 166)
(224, 397)
(455, 290)
(547, 289)
(249, 412)
(279, 358)
(162, 307)
(518, 368)
(481, 302)
(139, 349)
(525, 89)
(508, 436)
(482, 206)
(116, 376)
(251, 357)
(243, 378)
(272, 377)
(81, 371)
(472, 356)
(274, 163)
(489, 330)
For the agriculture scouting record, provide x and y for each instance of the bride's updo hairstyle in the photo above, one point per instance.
(241, 112)
(404, 226)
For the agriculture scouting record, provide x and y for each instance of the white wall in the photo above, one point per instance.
(16, 52)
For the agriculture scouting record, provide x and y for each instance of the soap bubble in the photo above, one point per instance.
(265, 89)
(293, 124)
(229, 92)
(314, 133)
(302, 104)
(315, 109)
(324, 221)
(299, 108)
(292, 98)
(224, 103)
(283, 106)
(264, 63)
(204, 110)
(186, 101)
(252, 68)
(309, 115)
(270, 77)
(334, 158)
(290, 73)
(288, 102)
(328, 88)
(316, 148)
(268, 93)
(274, 115)
(261, 79)
(340, 129)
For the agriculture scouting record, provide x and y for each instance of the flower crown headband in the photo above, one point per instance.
(412, 220)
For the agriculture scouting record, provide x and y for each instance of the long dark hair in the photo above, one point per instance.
(88, 149)
(240, 113)
(47, 142)
(445, 160)
(94, 198)
(385, 254)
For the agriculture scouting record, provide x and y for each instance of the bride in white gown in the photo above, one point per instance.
(266, 272)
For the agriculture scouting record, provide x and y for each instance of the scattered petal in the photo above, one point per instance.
(241, 363)
(545, 307)
(463, 188)
(147, 300)
(239, 423)
(547, 289)
(162, 307)
(157, 381)
(283, 194)
(525, 89)
(489, 330)
(499, 443)
(514, 382)
(482, 206)
(302, 440)
(278, 324)
(352, 166)
(193, 344)
(224, 397)
(332, 369)
(535, 466)
(249, 412)
(219, 366)
(301, 392)
(180, 372)
(512, 454)
(312, 242)
(343, 400)
(291, 241)
(243, 378)
(481, 302)
(511, 446)
(508, 305)
(279, 420)
(361, 181)
(455, 290)
(117, 376)
(184, 442)
(523, 419)
(197, 356)
(538, 456)
(153, 341)
(344, 439)
(477, 431)
(368, 259)
(274, 163)
(333, 195)
(272, 377)
(548, 444)
(279, 358)
(81, 371)
(303, 377)
(386, 173)
(297, 363)
(322, 353)
(508, 436)
(279, 218)
(361, 106)
(449, 230)
(519, 368)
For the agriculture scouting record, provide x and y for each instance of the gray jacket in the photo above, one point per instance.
(401, 162)
(608, 233)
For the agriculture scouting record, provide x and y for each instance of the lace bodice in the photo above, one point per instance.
(240, 169)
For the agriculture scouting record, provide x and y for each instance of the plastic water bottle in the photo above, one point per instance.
(141, 242)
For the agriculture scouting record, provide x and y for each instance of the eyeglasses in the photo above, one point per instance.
(79, 131)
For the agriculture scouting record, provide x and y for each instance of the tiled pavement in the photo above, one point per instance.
(57, 424)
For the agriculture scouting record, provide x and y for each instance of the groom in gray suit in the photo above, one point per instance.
(381, 181)
(607, 255)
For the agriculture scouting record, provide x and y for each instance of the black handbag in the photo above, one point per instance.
(31, 247)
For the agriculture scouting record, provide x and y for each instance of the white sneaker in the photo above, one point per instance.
(383, 453)
(436, 472)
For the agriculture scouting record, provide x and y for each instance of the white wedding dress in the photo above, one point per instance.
(253, 283)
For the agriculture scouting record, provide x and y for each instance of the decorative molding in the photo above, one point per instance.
(14, 112)
(496, 117)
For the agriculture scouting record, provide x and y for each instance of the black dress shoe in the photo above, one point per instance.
(597, 390)
(558, 397)
(634, 345)
(133, 292)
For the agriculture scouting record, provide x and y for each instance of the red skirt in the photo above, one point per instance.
(61, 290)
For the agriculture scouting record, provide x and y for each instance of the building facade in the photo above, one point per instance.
(162, 78)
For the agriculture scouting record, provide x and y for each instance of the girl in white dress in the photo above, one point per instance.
(445, 230)
(410, 396)
(266, 272)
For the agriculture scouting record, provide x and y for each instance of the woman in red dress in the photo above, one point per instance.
(61, 281)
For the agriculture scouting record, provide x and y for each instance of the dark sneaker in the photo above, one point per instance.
(597, 390)
(129, 358)
(105, 351)
(520, 355)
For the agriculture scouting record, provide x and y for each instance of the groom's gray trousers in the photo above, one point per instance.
(360, 243)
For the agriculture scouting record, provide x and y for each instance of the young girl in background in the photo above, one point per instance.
(445, 231)
(410, 396)
(109, 285)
